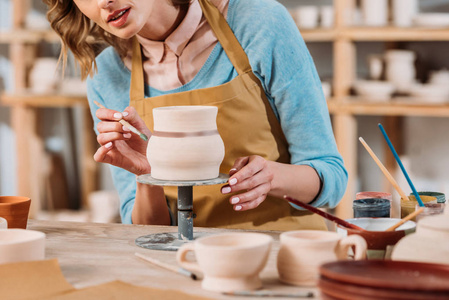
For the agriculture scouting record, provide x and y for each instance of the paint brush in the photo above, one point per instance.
(396, 156)
(323, 214)
(158, 263)
(409, 217)
(383, 169)
(127, 125)
(267, 293)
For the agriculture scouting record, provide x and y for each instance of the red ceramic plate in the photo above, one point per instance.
(402, 275)
(340, 290)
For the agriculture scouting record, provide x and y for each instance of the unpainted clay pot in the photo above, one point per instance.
(185, 144)
(430, 243)
(229, 261)
(21, 245)
(15, 210)
(302, 252)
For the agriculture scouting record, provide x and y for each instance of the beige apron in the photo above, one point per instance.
(246, 124)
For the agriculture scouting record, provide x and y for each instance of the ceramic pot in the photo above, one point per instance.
(377, 239)
(230, 261)
(375, 13)
(15, 210)
(303, 251)
(404, 11)
(185, 144)
(400, 69)
(429, 244)
(3, 223)
(21, 245)
(43, 75)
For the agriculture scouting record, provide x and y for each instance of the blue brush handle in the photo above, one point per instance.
(401, 165)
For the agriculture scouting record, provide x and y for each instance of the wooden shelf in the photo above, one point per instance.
(28, 36)
(358, 106)
(53, 100)
(319, 35)
(394, 34)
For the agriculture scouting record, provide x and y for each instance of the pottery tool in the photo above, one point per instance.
(383, 169)
(409, 217)
(267, 293)
(127, 125)
(323, 214)
(396, 156)
(158, 263)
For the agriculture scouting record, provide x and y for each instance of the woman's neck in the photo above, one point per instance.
(164, 19)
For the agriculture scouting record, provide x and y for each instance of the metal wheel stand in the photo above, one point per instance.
(168, 241)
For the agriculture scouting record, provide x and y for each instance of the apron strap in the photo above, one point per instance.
(137, 88)
(226, 37)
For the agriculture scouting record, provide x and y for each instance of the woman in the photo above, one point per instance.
(244, 56)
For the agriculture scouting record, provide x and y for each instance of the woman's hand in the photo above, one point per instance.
(120, 147)
(252, 174)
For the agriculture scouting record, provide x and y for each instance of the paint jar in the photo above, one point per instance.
(371, 207)
(365, 195)
(430, 209)
(408, 206)
(441, 197)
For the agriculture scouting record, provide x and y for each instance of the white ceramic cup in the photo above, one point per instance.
(3, 223)
(375, 13)
(21, 245)
(229, 261)
(327, 16)
(307, 16)
(404, 11)
(302, 252)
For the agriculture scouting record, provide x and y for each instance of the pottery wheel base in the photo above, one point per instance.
(165, 241)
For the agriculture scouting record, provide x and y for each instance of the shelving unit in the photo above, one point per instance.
(25, 107)
(344, 108)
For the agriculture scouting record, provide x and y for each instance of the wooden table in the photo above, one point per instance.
(93, 253)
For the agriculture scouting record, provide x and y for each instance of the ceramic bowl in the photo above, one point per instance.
(375, 235)
(430, 92)
(3, 223)
(21, 245)
(374, 90)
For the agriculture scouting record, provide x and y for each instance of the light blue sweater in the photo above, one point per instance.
(280, 59)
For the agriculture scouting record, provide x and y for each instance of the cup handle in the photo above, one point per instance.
(359, 244)
(183, 262)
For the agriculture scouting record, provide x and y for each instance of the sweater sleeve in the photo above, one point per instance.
(102, 87)
(280, 59)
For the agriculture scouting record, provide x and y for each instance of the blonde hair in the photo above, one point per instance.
(82, 36)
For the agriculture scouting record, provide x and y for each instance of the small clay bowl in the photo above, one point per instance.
(375, 235)
(15, 210)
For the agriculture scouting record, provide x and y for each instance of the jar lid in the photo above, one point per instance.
(438, 222)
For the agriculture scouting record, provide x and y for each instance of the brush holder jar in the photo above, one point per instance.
(185, 144)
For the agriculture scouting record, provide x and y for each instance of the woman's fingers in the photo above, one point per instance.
(108, 137)
(106, 114)
(101, 153)
(107, 126)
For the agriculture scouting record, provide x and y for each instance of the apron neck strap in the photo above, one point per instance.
(137, 89)
(226, 37)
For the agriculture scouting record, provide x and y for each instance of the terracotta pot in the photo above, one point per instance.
(303, 251)
(185, 144)
(375, 235)
(21, 245)
(230, 261)
(15, 210)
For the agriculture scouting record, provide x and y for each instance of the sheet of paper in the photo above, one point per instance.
(44, 280)
(32, 280)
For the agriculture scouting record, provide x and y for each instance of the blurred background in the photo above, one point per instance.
(380, 61)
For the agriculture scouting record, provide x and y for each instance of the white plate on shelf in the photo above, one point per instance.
(432, 20)
(430, 93)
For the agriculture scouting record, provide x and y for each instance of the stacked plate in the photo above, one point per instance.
(383, 279)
